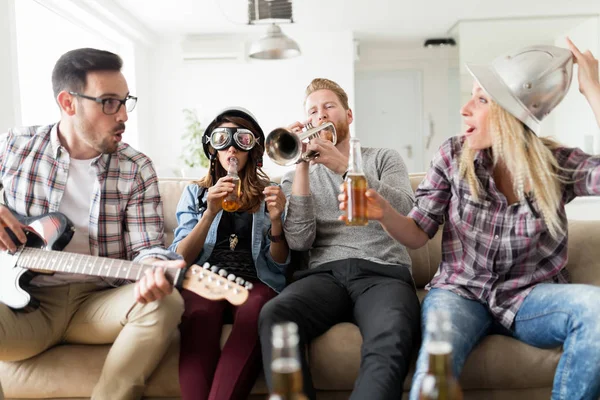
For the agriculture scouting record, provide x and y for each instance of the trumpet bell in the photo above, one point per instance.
(285, 147)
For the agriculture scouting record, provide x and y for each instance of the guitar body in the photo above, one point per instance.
(49, 234)
(51, 231)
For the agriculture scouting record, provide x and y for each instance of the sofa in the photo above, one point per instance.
(499, 368)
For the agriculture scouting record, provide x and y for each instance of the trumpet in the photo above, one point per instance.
(285, 147)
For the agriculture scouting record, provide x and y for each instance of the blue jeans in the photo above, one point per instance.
(551, 316)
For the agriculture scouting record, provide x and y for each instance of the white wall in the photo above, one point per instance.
(142, 66)
(272, 90)
(440, 84)
(9, 87)
(574, 121)
(481, 41)
(37, 55)
(35, 33)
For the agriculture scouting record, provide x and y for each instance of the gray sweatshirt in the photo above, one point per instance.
(312, 223)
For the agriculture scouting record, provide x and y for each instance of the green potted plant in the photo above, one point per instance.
(193, 153)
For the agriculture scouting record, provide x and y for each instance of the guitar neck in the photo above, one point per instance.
(73, 263)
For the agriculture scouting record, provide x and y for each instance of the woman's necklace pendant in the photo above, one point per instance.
(233, 241)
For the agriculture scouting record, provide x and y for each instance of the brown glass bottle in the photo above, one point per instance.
(356, 187)
(439, 383)
(286, 370)
(231, 202)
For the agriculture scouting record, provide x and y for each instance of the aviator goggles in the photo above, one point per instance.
(222, 138)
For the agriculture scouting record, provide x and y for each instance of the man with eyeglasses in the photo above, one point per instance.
(80, 167)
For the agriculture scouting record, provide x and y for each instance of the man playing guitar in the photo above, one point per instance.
(79, 167)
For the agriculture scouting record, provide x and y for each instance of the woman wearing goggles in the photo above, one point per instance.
(208, 234)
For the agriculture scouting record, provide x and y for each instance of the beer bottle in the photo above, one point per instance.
(231, 202)
(286, 369)
(356, 187)
(439, 383)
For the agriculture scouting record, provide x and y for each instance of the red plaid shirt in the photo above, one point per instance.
(494, 252)
(126, 217)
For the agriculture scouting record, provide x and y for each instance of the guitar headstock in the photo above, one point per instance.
(214, 283)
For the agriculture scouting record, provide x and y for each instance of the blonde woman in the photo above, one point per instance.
(500, 191)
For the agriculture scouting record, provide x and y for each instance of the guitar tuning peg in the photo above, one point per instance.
(231, 277)
(206, 265)
(214, 269)
(248, 285)
(223, 273)
(239, 281)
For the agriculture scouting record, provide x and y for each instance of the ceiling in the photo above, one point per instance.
(370, 20)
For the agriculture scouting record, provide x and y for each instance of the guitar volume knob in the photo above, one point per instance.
(206, 265)
(223, 273)
(248, 285)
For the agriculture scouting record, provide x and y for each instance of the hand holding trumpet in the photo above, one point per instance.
(291, 145)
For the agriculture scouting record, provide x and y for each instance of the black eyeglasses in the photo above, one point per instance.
(110, 105)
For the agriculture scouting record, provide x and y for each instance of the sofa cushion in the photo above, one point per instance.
(73, 370)
(584, 252)
(498, 362)
(170, 192)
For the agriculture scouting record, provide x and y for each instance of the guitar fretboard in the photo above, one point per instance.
(74, 263)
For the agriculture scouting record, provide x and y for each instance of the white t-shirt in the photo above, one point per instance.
(75, 204)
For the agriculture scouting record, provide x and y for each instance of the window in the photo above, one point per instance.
(43, 35)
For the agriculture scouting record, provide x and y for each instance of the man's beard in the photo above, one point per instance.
(342, 131)
(109, 148)
(103, 145)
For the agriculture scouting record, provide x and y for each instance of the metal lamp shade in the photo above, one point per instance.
(274, 46)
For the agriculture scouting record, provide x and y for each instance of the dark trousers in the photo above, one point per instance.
(381, 300)
(206, 371)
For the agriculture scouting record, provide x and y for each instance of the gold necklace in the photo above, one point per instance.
(233, 241)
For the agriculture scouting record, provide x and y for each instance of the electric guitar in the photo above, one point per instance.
(50, 233)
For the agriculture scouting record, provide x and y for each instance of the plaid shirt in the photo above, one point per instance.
(494, 252)
(126, 217)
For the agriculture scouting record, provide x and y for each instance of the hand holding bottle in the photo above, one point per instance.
(217, 193)
(231, 201)
(376, 205)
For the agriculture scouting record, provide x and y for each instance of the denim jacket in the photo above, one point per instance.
(189, 212)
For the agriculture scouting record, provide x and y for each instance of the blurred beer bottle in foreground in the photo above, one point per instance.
(440, 382)
(231, 202)
(285, 364)
(356, 187)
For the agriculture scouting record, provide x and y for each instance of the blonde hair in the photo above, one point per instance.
(321, 84)
(529, 160)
